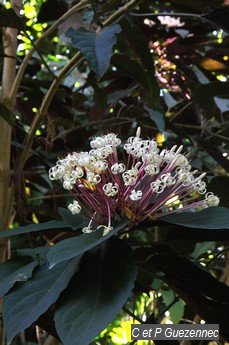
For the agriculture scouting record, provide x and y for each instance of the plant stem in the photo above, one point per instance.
(181, 110)
(119, 13)
(135, 317)
(44, 107)
(47, 33)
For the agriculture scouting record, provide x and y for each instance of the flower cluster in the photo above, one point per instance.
(147, 183)
(171, 22)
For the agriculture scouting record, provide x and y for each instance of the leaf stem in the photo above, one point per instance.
(96, 13)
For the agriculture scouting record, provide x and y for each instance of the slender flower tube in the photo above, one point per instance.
(146, 184)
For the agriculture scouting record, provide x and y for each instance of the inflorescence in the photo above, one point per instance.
(145, 184)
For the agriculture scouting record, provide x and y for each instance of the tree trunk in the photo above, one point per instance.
(8, 76)
(6, 187)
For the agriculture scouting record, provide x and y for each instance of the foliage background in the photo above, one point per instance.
(172, 81)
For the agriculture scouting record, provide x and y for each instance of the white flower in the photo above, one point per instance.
(57, 172)
(149, 22)
(68, 185)
(199, 185)
(152, 169)
(84, 159)
(112, 139)
(106, 230)
(77, 173)
(157, 186)
(75, 207)
(98, 142)
(130, 176)
(110, 189)
(135, 195)
(185, 177)
(101, 165)
(171, 22)
(137, 147)
(149, 177)
(118, 168)
(211, 199)
(101, 152)
(152, 158)
(182, 161)
(167, 155)
(168, 180)
(87, 229)
(93, 178)
(109, 139)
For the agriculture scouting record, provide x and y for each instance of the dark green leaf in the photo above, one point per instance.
(93, 301)
(204, 95)
(199, 279)
(215, 152)
(75, 246)
(76, 221)
(200, 75)
(182, 32)
(52, 10)
(38, 253)
(138, 43)
(27, 301)
(8, 18)
(17, 269)
(158, 118)
(200, 4)
(219, 185)
(195, 235)
(207, 296)
(97, 47)
(209, 218)
(5, 113)
(169, 100)
(52, 224)
(119, 94)
(222, 104)
(213, 312)
(202, 248)
(132, 68)
(136, 71)
(176, 310)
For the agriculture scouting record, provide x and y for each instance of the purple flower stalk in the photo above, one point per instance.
(146, 183)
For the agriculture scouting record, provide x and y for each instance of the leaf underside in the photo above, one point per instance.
(209, 218)
(17, 269)
(94, 299)
(27, 301)
(74, 246)
(97, 47)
